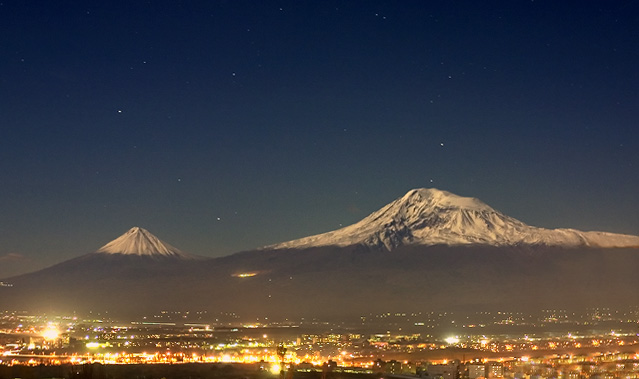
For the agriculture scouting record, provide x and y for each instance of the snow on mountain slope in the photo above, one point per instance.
(434, 217)
(138, 241)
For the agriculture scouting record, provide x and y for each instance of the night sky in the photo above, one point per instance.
(223, 126)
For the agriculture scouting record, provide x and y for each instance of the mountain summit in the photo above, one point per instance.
(139, 241)
(428, 216)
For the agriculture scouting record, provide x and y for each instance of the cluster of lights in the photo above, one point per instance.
(51, 333)
(452, 340)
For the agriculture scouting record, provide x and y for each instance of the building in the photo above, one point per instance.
(494, 370)
(446, 371)
(476, 370)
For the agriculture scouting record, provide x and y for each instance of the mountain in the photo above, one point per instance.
(140, 242)
(136, 271)
(448, 253)
(428, 217)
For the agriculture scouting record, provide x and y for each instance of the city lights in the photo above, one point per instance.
(51, 333)
(452, 340)
(275, 369)
(289, 347)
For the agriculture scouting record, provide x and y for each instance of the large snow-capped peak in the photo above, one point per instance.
(139, 241)
(428, 216)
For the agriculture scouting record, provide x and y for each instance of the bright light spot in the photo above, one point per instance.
(50, 333)
(245, 274)
(452, 340)
(275, 369)
(524, 359)
(92, 345)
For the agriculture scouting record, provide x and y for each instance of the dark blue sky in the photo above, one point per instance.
(227, 125)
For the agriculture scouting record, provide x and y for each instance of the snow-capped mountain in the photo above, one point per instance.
(434, 217)
(140, 242)
(138, 275)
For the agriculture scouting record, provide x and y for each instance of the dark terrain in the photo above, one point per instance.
(335, 282)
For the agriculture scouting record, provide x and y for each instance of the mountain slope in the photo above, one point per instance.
(433, 217)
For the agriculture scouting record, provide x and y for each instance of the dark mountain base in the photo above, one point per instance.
(335, 282)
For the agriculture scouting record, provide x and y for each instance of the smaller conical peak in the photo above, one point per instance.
(139, 241)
